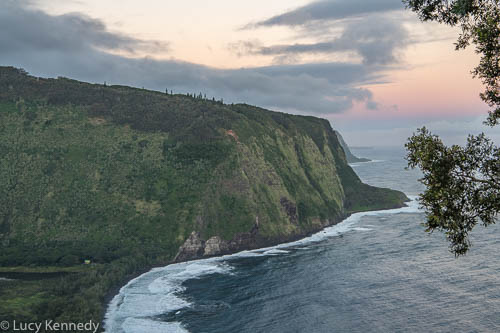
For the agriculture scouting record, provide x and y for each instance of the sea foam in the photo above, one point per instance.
(159, 291)
(155, 293)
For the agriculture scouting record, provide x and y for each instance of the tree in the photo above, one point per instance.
(462, 183)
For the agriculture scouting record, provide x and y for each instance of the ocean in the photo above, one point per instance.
(374, 272)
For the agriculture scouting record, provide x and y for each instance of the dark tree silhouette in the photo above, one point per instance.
(462, 183)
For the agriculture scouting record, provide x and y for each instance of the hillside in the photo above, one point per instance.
(348, 154)
(129, 178)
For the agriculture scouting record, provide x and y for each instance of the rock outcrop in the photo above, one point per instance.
(193, 247)
(214, 246)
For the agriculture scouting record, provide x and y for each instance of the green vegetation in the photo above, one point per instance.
(348, 154)
(462, 183)
(122, 177)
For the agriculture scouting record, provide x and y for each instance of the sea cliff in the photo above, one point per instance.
(128, 178)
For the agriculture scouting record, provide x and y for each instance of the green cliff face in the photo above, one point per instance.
(349, 155)
(130, 178)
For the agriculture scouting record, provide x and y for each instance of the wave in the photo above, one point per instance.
(151, 326)
(355, 164)
(141, 302)
(361, 229)
(275, 252)
(155, 293)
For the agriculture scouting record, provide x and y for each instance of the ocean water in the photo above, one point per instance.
(374, 272)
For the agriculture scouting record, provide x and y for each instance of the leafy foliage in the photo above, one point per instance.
(462, 183)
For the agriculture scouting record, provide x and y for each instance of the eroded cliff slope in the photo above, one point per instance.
(118, 174)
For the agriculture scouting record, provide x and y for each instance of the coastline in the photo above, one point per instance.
(313, 236)
(262, 245)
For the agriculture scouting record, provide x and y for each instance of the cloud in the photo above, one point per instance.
(329, 10)
(375, 39)
(25, 29)
(77, 46)
(371, 105)
(396, 131)
(244, 47)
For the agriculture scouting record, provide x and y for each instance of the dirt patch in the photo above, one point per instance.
(97, 121)
(231, 133)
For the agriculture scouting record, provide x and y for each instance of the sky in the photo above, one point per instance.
(370, 67)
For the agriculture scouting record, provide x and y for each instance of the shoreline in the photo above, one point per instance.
(115, 291)
(262, 245)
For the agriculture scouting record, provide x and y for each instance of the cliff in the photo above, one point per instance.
(349, 155)
(130, 178)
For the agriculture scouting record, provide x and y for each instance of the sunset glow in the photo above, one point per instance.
(419, 75)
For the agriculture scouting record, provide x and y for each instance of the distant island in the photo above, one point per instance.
(100, 183)
(349, 155)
